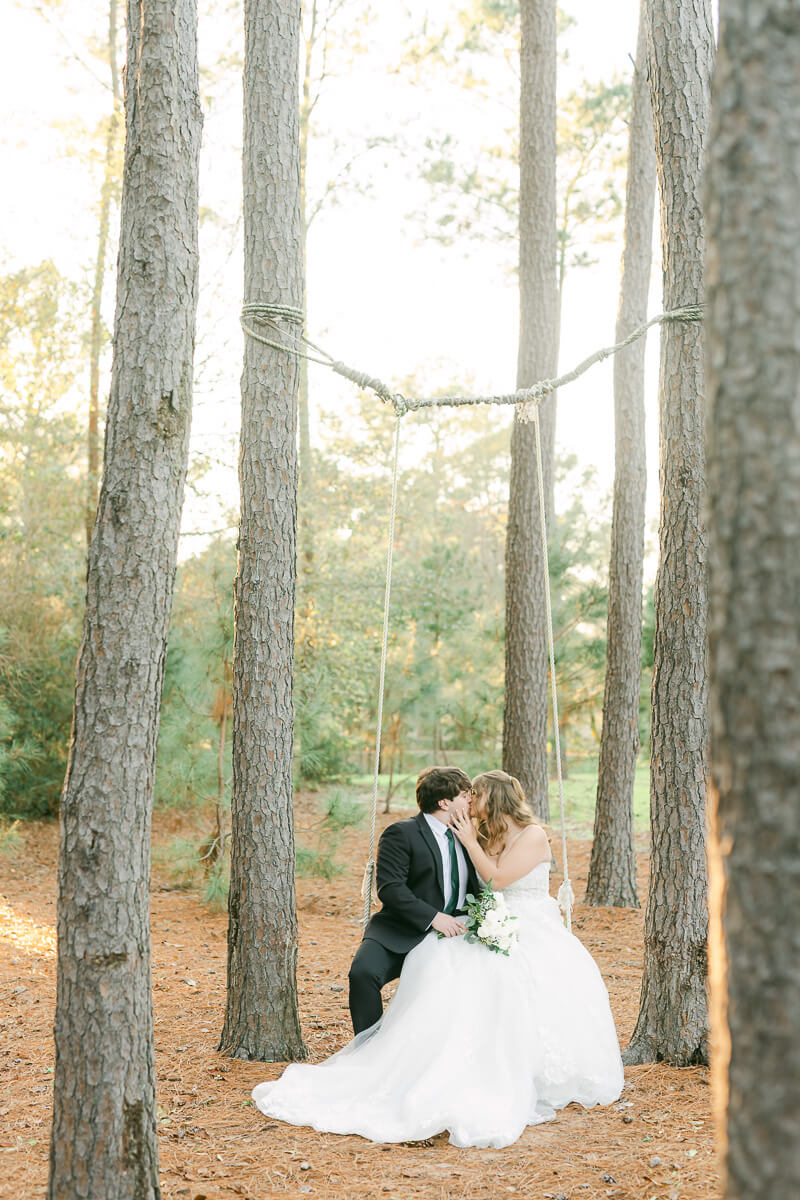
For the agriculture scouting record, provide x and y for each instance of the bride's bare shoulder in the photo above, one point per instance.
(534, 842)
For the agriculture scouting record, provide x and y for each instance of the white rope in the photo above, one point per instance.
(268, 314)
(527, 401)
(566, 896)
(369, 870)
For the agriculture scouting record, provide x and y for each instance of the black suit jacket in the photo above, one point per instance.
(410, 878)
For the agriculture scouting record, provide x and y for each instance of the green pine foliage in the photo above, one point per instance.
(215, 895)
(42, 540)
(343, 812)
(579, 549)
(318, 863)
(197, 698)
(444, 681)
(11, 839)
(180, 859)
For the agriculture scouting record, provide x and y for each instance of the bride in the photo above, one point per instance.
(474, 1042)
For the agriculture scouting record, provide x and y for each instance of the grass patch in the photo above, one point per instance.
(339, 812)
(215, 896)
(181, 860)
(343, 812)
(580, 794)
(317, 863)
(11, 840)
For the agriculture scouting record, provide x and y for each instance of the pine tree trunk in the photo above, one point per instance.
(261, 1017)
(96, 330)
(306, 481)
(612, 871)
(753, 330)
(104, 1121)
(673, 1013)
(526, 690)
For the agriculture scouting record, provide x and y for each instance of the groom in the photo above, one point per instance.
(423, 875)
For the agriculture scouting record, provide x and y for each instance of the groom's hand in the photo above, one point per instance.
(448, 926)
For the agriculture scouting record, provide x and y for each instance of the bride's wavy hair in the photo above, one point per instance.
(503, 797)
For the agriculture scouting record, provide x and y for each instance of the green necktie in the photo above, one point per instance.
(452, 903)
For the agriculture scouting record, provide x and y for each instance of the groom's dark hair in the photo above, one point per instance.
(439, 783)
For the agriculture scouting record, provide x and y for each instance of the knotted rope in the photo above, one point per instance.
(269, 314)
(528, 401)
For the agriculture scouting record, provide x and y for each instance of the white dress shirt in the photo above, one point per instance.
(439, 831)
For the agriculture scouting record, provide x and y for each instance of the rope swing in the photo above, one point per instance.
(269, 314)
(527, 401)
(369, 870)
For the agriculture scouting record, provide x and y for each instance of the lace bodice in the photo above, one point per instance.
(535, 883)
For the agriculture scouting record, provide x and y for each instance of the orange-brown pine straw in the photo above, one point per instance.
(657, 1144)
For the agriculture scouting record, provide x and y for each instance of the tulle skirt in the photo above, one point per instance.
(473, 1042)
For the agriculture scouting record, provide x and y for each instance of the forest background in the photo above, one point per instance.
(410, 213)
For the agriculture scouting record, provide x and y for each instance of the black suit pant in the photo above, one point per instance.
(372, 967)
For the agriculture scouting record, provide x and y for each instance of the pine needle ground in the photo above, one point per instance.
(656, 1144)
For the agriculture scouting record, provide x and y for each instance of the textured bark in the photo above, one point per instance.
(104, 1122)
(526, 690)
(261, 1017)
(673, 1013)
(753, 363)
(612, 871)
(306, 481)
(96, 330)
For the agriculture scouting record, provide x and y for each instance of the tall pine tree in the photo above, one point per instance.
(753, 367)
(673, 1011)
(104, 1119)
(612, 871)
(525, 719)
(261, 1016)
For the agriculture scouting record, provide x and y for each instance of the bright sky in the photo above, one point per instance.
(378, 298)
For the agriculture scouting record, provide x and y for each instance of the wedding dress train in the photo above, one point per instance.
(473, 1042)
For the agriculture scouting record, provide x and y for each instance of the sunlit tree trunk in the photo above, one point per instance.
(96, 331)
(104, 1118)
(261, 1016)
(525, 717)
(306, 480)
(612, 871)
(753, 366)
(673, 1012)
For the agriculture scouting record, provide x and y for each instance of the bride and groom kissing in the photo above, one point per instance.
(475, 1043)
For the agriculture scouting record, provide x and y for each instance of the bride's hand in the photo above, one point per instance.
(462, 827)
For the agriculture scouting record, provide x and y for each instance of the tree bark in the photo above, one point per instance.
(104, 1120)
(673, 1012)
(261, 1017)
(96, 331)
(306, 480)
(612, 871)
(526, 691)
(753, 362)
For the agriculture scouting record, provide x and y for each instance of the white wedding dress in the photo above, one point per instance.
(473, 1042)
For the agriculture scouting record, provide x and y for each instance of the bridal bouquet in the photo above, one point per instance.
(489, 922)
